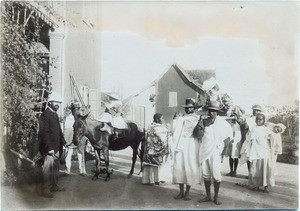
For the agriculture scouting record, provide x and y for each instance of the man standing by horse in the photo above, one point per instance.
(72, 114)
(51, 144)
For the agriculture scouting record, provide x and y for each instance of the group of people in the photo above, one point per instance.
(57, 144)
(198, 143)
(188, 153)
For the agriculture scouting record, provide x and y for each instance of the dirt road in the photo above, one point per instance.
(123, 193)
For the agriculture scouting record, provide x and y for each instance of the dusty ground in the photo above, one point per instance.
(123, 193)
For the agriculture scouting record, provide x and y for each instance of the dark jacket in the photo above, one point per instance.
(244, 130)
(50, 134)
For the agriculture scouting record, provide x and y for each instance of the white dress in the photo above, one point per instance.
(233, 147)
(186, 167)
(259, 154)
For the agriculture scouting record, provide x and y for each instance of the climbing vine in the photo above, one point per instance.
(23, 79)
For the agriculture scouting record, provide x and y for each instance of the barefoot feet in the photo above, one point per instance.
(206, 199)
(186, 197)
(179, 196)
(216, 201)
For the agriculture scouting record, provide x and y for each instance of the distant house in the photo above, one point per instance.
(139, 107)
(166, 94)
(175, 86)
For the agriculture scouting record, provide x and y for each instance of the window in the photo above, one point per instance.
(172, 99)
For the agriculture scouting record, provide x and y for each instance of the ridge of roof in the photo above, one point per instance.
(127, 99)
(200, 75)
(187, 78)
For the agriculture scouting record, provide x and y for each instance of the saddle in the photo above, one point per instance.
(115, 133)
(119, 133)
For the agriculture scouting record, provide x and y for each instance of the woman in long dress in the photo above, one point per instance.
(156, 150)
(258, 152)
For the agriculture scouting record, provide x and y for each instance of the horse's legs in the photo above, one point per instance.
(97, 172)
(106, 159)
(81, 156)
(81, 161)
(69, 160)
(134, 155)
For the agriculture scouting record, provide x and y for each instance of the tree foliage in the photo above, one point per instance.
(22, 78)
(201, 75)
(289, 116)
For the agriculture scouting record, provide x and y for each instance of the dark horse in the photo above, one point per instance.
(102, 142)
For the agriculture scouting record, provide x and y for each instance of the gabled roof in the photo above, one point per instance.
(44, 11)
(126, 100)
(194, 78)
(187, 79)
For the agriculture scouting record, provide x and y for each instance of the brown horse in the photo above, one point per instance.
(102, 142)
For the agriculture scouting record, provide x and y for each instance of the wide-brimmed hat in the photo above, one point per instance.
(74, 105)
(189, 103)
(209, 84)
(55, 97)
(213, 106)
(282, 126)
(257, 107)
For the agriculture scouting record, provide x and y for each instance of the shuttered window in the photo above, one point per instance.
(173, 99)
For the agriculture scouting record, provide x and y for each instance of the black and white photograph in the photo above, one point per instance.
(149, 105)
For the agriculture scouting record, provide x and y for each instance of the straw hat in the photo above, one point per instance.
(213, 106)
(74, 105)
(257, 107)
(55, 97)
(282, 126)
(189, 103)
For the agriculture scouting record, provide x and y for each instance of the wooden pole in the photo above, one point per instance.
(28, 18)
(18, 16)
(77, 90)
(22, 157)
(13, 13)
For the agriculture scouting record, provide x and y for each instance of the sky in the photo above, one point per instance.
(253, 46)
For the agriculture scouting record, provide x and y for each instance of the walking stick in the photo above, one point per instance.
(22, 157)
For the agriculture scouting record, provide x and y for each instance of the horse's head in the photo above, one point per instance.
(79, 127)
